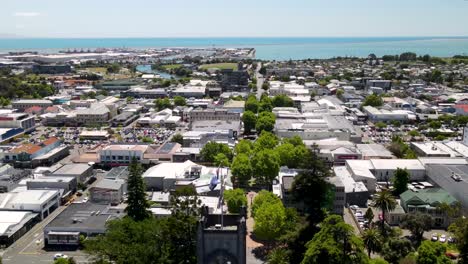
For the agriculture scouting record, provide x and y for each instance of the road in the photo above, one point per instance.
(260, 80)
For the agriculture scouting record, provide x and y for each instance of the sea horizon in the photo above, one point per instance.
(267, 48)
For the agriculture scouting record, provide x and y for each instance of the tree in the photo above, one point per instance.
(235, 199)
(265, 86)
(265, 122)
(414, 133)
(179, 101)
(369, 215)
(460, 230)
(295, 140)
(244, 146)
(335, 243)
(386, 203)
(401, 179)
(378, 261)
(241, 169)
(162, 104)
(251, 104)
(270, 219)
(263, 197)
(373, 100)
(249, 119)
(282, 101)
(113, 68)
(372, 240)
(265, 166)
(211, 149)
(265, 104)
(220, 160)
(432, 253)
(395, 249)
(290, 155)
(137, 205)
(266, 140)
(380, 125)
(278, 256)
(311, 188)
(435, 124)
(178, 138)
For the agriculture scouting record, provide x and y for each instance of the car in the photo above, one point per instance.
(443, 238)
(354, 207)
(59, 256)
(451, 240)
(435, 237)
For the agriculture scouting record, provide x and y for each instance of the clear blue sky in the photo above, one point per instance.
(223, 18)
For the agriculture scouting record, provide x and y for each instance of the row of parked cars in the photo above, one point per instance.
(442, 238)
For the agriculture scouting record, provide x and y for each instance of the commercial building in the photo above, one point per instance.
(433, 149)
(14, 224)
(42, 202)
(427, 201)
(94, 135)
(96, 114)
(384, 115)
(143, 92)
(124, 119)
(122, 154)
(233, 127)
(51, 69)
(453, 178)
(374, 151)
(30, 156)
(17, 120)
(68, 185)
(79, 171)
(163, 176)
(23, 104)
(86, 219)
(107, 191)
(190, 91)
(217, 114)
(356, 192)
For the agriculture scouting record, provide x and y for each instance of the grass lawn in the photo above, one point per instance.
(171, 66)
(100, 70)
(220, 66)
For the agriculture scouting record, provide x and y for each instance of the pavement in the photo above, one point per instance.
(251, 244)
(260, 81)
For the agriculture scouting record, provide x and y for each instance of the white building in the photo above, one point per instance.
(122, 154)
(42, 202)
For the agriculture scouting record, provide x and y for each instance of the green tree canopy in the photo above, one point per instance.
(137, 205)
(432, 253)
(270, 219)
(178, 138)
(386, 203)
(211, 149)
(395, 249)
(250, 120)
(373, 100)
(266, 104)
(263, 197)
(244, 146)
(241, 169)
(221, 160)
(282, 101)
(235, 199)
(266, 140)
(179, 101)
(265, 122)
(251, 104)
(265, 166)
(401, 179)
(163, 103)
(372, 240)
(335, 243)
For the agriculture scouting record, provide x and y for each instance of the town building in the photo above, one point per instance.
(122, 154)
(427, 201)
(14, 224)
(42, 202)
(81, 172)
(87, 219)
(23, 104)
(107, 191)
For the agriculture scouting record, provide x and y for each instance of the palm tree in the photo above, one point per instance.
(372, 240)
(386, 203)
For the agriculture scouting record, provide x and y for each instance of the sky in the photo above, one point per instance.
(240, 18)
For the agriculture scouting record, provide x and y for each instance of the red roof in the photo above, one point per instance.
(462, 107)
(49, 141)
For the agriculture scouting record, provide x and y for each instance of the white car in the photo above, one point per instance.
(435, 237)
(60, 255)
(354, 207)
(443, 238)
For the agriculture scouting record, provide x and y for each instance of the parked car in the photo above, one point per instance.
(435, 237)
(443, 238)
(59, 256)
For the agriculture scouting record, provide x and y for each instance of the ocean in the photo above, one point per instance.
(266, 48)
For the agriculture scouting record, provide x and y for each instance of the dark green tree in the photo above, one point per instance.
(179, 101)
(372, 241)
(265, 122)
(251, 104)
(386, 203)
(211, 149)
(162, 104)
(249, 119)
(417, 223)
(401, 179)
(373, 100)
(241, 170)
(178, 138)
(282, 101)
(265, 166)
(395, 249)
(432, 253)
(137, 205)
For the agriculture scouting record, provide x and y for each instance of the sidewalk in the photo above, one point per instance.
(251, 244)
